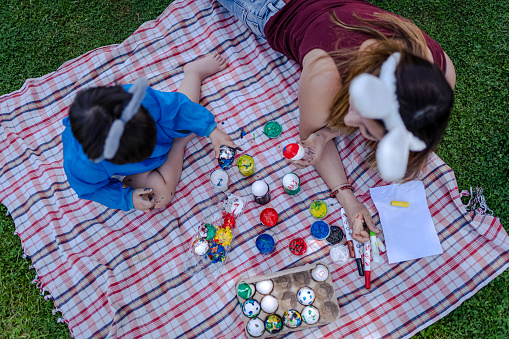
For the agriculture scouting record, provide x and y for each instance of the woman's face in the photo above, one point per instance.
(369, 128)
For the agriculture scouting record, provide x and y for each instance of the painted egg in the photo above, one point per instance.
(259, 188)
(255, 327)
(320, 273)
(292, 318)
(306, 296)
(200, 246)
(310, 315)
(251, 308)
(269, 304)
(245, 291)
(265, 286)
(273, 323)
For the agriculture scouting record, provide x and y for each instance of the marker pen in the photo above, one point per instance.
(348, 233)
(367, 265)
(380, 244)
(358, 259)
(374, 246)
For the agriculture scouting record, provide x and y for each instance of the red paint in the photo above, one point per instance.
(269, 217)
(298, 246)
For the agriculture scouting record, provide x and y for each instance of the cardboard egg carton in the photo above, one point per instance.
(286, 285)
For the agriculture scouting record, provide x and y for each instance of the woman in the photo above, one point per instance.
(341, 47)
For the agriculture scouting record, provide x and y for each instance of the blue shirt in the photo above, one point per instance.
(175, 115)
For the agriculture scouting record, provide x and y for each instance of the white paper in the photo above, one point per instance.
(409, 231)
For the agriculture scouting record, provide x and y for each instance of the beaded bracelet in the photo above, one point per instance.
(340, 188)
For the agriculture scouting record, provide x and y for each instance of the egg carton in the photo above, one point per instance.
(286, 284)
(232, 205)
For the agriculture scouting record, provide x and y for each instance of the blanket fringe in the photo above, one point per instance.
(477, 202)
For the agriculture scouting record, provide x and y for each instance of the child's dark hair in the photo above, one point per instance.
(91, 115)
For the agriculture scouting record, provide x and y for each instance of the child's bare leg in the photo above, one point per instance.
(164, 179)
(196, 71)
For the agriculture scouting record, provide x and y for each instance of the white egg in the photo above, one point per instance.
(269, 304)
(259, 188)
(265, 286)
(320, 273)
(306, 296)
(255, 327)
(310, 315)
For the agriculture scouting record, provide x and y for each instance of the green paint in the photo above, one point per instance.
(245, 291)
(272, 129)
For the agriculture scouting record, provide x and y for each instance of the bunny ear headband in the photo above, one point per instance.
(112, 141)
(375, 98)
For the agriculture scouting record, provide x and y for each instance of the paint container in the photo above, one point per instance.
(246, 165)
(269, 217)
(335, 235)
(219, 180)
(291, 183)
(261, 192)
(265, 243)
(320, 230)
(272, 129)
(226, 157)
(318, 209)
(339, 254)
(298, 246)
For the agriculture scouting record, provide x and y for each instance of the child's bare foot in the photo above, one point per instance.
(206, 66)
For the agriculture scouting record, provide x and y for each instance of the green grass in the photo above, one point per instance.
(36, 37)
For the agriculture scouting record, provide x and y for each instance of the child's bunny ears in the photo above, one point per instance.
(375, 98)
(112, 141)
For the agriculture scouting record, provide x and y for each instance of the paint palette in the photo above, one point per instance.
(302, 301)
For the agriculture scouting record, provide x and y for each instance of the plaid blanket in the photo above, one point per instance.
(115, 274)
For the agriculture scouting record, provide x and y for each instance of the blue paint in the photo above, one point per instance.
(265, 243)
(320, 230)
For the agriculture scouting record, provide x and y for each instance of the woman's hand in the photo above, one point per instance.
(315, 143)
(219, 138)
(143, 199)
(360, 220)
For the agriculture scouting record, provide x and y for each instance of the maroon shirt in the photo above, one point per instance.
(303, 25)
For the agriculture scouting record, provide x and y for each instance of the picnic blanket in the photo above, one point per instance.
(123, 275)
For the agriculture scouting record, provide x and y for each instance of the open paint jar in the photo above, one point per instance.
(320, 230)
(298, 246)
(265, 243)
(318, 209)
(269, 217)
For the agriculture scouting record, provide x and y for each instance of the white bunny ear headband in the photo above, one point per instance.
(376, 98)
(112, 142)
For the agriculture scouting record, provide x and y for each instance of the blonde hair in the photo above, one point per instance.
(406, 38)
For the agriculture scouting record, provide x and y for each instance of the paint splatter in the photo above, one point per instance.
(242, 133)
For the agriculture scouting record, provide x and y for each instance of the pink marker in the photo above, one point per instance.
(348, 233)
(367, 265)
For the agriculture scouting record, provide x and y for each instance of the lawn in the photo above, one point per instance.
(36, 37)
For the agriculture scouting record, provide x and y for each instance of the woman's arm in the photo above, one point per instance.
(318, 85)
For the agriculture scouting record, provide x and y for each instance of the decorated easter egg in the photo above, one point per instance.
(251, 308)
(269, 304)
(310, 315)
(245, 291)
(200, 246)
(255, 327)
(320, 273)
(273, 323)
(292, 318)
(306, 296)
(265, 286)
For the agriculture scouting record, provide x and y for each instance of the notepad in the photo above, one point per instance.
(409, 232)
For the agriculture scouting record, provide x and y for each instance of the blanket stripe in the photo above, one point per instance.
(127, 275)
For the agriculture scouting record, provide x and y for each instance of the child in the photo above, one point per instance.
(125, 150)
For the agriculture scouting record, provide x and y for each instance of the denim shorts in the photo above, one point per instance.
(253, 13)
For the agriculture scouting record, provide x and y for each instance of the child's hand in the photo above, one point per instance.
(219, 138)
(143, 199)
